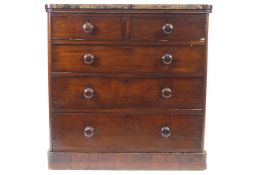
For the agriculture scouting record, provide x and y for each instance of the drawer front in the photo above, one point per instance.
(82, 26)
(127, 133)
(83, 93)
(180, 27)
(88, 58)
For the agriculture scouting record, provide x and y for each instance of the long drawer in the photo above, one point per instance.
(83, 93)
(126, 132)
(97, 58)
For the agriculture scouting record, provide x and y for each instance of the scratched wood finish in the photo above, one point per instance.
(68, 93)
(132, 125)
(127, 132)
(129, 6)
(70, 58)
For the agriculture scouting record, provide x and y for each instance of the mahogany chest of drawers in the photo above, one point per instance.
(127, 86)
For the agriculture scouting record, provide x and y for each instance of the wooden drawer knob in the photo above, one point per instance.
(89, 131)
(89, 58)
(89, 93)
(88, 28)
(166, 93)
(165, 131)
(167, 28)
(167, 59)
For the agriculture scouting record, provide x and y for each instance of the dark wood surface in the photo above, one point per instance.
(131, 43)
(71, 26)
(127, 133)
(187, 27)
(127, 109)
(68, 93)
(127, 161)
(186, 59)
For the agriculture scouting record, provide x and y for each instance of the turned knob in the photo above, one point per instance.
(167, 59)
(166, 93)
(165, 131)
(167, 28)
(88, 28)
(89, 93)
(89, 131)
(89, 58)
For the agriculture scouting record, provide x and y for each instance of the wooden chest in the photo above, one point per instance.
(127, 86)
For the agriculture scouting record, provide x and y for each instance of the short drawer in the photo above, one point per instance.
(179, 27)
(126, 132)
(83, 93)
(82, 26)
(163, 59)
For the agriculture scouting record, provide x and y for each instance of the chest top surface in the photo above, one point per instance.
(202, 8)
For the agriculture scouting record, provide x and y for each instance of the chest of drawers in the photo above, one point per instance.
(127, 86)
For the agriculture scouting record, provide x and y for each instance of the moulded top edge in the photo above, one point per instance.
(132, 6)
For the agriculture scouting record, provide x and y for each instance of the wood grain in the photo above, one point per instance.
(186, 59)
(127, 161)
(187, 27)
(68, 93)
(115, 132)
(126, 110)
(70, 27)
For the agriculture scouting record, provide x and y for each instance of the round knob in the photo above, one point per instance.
(88, 28)
(89, 131)
(166, 93)
(89, 58)
(167, 28)
(165, 131)
(89, 93)
(167, 59)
